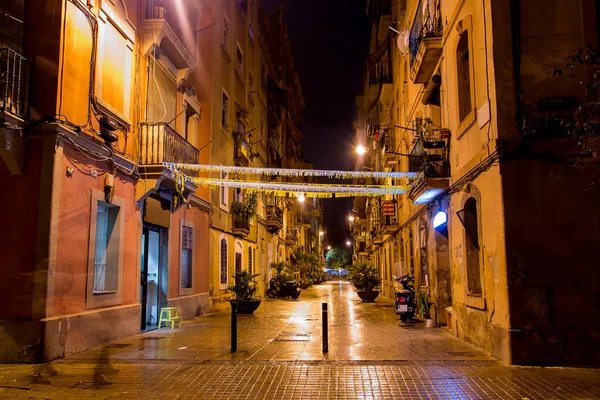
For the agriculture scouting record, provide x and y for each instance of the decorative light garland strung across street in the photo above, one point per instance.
(292, 172)
(309, 189)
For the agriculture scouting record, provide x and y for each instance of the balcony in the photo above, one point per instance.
(290, 237)
(160, 143)
(274, 160)
(13, 83)
(362, 248)
(388, 223)
(241, 224)
(425, 42)
(432, 149)
(162, 28)
(242, 151)
(390, 145)
(14, 80)
(274, 218)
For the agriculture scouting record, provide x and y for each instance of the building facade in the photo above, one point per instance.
(102, 235)
(493, 229)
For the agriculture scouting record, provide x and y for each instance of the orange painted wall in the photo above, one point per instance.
(73, 233)
(200, 222)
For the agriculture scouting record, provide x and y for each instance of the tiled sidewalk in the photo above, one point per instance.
(372, 356)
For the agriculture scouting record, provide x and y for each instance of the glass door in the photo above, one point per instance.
(150, 277)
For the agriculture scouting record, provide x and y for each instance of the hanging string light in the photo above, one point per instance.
(292, 172)
(306, 189)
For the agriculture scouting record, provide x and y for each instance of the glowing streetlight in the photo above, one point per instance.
(328, 247)
(301, 198)
(360, 149)
(321, 233)
(348, 243)
(351, 218)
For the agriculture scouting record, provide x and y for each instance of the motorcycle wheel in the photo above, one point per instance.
(271, 293)
(403, 317)
(295, 295)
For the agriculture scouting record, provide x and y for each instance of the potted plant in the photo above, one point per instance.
(159, 12)
(367, 279)
(247, 206)
(244, 290)
(425, 308)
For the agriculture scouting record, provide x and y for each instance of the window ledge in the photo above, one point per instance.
(476, 301)
(465, 125)
(102, 292)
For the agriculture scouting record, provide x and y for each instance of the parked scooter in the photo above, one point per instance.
(406, 303)
(279, 287)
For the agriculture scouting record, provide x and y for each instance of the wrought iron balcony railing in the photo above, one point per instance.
(160, 143)
(242, 150)
(381, 72)
(274, 217)
(14, 81)
(241, 224)
(290, 236)
(432, 156)
(427, 24)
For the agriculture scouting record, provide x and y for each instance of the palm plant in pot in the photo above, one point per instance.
(425, 305)
(244, 291)
(366, 278)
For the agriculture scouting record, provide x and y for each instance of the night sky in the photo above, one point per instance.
(330, 40)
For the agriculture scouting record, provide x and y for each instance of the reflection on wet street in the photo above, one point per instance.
(291, 330)
(372, 355)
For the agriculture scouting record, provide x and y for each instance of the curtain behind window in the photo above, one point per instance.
(101, 244)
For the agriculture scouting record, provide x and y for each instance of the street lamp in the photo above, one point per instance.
(321, 233)
(328, 247)
(301, 198)
(348, 243)
(351, 218)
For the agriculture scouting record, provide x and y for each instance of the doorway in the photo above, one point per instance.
(152, 279)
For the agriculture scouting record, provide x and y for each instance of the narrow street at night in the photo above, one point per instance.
(300, 199)
(372, 355)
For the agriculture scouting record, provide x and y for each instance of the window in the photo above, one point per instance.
(238, 263)
(402, 251)
(105, 249)
(190, 124)
(463, 69)
(225, 111)
(105, 259)
(116, 41)
(223, 261)
(187, 236)
(250, 260)
(224, 192)
(225, 38)
(471, 225)
(411, 253)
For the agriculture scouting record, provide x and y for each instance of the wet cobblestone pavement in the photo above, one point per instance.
(371, 356)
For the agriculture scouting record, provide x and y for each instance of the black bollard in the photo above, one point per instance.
(325, 329)
(234, 308)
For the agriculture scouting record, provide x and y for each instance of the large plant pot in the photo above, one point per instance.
(245, 307)
(368, 296)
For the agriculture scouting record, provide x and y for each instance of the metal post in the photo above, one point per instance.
(325, 329)
(234, 309)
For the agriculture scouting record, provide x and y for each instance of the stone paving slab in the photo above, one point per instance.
(296, 380)
(372, 356)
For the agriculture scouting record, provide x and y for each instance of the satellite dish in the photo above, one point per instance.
(403, 41)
